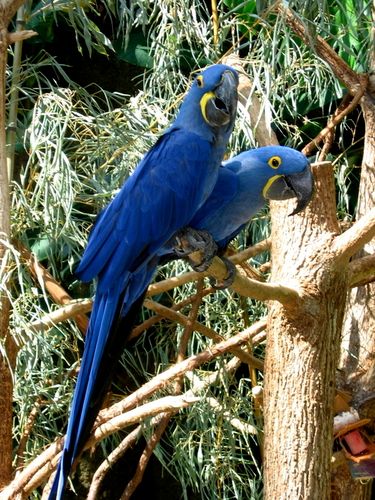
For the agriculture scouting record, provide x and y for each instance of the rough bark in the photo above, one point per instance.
(7, 361)
(357, 365)
(302, 349)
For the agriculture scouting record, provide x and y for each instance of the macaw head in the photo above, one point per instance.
(211, 102)
(279, 172)
(289, 176)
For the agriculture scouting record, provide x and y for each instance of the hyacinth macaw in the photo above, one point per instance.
(168, 187)
(244, 184)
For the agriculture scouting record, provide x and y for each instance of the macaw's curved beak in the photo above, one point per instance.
(221, 105)
(299, 185)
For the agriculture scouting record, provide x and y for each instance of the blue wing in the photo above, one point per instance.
(156, 201)
(169, 185)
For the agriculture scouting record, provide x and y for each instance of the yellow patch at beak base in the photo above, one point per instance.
(269, 184)
(203, 102)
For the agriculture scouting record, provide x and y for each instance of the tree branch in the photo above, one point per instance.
(108, 463)
(335, 120)
(208, 332)
(79, 306)
(179, 369)
(45, 279)
(352, 81)
(362, 271)
(254, 289)
(41, 467)
(175, 281)
(353, 239)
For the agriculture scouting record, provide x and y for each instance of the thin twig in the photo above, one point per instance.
(208, 332)
(335, 120)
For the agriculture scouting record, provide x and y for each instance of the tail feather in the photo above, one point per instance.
(111, 322)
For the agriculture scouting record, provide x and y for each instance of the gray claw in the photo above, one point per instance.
(228, 280)
(191, 240)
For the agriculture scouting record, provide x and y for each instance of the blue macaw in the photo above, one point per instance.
(244, 184)
(163, 194)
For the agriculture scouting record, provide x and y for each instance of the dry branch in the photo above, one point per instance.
(71, 310)
(45, 279)
(335, 120)
(39, 469)
(352, 80)
(208, 332)
(362, 271)
(354, 238)
(112, 458)
(175, 281)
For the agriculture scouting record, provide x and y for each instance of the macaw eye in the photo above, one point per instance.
(274, 162)
(200, 81)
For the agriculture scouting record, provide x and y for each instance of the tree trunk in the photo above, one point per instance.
(302, 349)
(8, 349)
(357, 367)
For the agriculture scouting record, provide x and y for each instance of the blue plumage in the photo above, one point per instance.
(168, 187)
(244, 184)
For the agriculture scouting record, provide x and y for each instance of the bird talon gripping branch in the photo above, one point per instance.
(229, 278)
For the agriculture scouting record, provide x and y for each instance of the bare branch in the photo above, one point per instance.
(19, 36)
(179, 369)
(146, 455)
(247, 287)
(45, 280)
(79, 306)
(110, 460)
(353, 81)
(180, 318)
(353, 239)
(134, 416)
(335, 120)
(175, 281)
(362, 271)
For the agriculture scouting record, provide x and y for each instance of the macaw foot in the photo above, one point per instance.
(189, 241)
(228, 280)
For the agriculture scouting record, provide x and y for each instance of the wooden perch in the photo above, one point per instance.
(40, 468)
(362, 271)
(354, 238)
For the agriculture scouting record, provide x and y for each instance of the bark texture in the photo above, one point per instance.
(357, 364)
(7, 362)
(302, 349)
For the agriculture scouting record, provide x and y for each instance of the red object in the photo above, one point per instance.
(355, 442)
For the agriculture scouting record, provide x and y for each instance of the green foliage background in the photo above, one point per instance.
(76, 145)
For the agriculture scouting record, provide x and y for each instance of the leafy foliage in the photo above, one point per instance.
(79, 146)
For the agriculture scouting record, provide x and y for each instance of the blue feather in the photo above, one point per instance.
(167, 188)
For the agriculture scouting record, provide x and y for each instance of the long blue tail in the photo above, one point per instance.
(111, 321)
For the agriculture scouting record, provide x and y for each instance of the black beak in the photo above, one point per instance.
(300, 186)
(221, 108)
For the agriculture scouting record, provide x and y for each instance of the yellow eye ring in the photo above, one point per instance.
(200, 82)
(274, 162)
